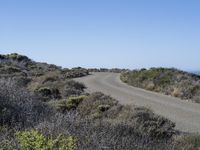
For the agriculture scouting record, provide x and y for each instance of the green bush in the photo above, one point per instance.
(151, 124)
(17, 57)
(34, 140)
(103, 108)
(48, 93)
(96, 104)
(75, 72)
(45, 91)
(73, 102)
(70, 103)
(50, 79)
(73, 88)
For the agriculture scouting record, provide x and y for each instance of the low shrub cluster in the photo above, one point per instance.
(75, 72)
(98, 106)
(87, 122)
(187, 142)
(55, 86)
(20, 108)
(13, 65)
(70, 103)
(115, 70)
(15, 57)
(73, 88)
(34, 140)
(48, 93)
(167, 81)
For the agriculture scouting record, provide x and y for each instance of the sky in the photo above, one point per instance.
(103, 33)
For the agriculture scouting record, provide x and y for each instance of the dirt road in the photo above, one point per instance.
(185, 114)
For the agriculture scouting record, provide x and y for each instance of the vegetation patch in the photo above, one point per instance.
(70, 103)
(96, 103)
(153, 125)
(73, 88)
(48, 93)
(168, 81)
(187, 142)
(43, 108)
(103, 108)
(34, 140)
(75, 72)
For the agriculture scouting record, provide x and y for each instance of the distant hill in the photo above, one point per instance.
(169, 81)
(15, 64)
(47, 80)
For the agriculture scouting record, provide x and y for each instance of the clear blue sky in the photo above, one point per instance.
(103, 33)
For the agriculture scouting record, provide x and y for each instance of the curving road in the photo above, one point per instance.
(185, 114)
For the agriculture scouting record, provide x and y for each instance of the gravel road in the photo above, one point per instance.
(185, 114)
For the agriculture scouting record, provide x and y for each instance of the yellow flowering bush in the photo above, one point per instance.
(34, 140)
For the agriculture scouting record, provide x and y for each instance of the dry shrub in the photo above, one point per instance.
(91, 104)
(187, 142)
(73, 88)
(20, 107)
(150, 86)
(176, 92)
(168, 81)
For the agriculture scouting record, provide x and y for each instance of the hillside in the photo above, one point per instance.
(42, 107)
(168, 81)
(47, 80)
(19, 65)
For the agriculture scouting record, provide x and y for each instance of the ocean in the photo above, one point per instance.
(196, 72)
